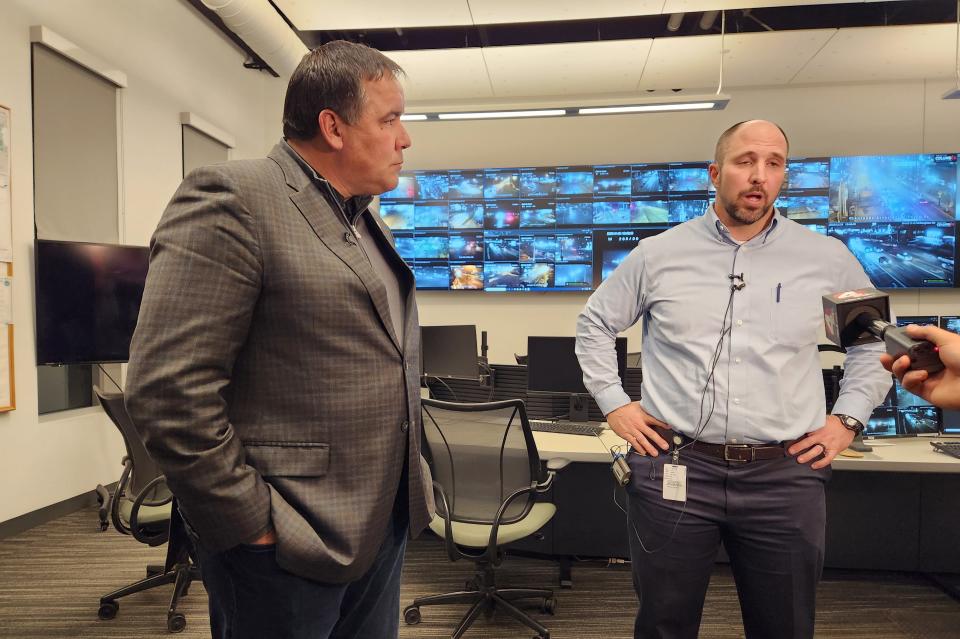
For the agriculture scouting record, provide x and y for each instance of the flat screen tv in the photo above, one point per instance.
(88, 300)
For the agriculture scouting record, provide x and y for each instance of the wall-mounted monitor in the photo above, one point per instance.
(896, 214)
(88, 300)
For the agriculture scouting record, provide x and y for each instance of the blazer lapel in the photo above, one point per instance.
(330, 230)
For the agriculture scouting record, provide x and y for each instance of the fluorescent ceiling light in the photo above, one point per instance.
(489, 115)
(647, 108)
(708, 102)
(408, 117)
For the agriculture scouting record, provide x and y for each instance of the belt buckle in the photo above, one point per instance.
(726, 453)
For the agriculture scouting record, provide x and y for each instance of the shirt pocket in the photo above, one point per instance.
(795, 319)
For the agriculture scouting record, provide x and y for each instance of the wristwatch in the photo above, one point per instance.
(850, 423)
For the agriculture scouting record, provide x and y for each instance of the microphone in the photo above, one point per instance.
(348, 239)
(733, 277)
(862, 316)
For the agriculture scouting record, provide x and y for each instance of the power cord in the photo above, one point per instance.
(104, 371)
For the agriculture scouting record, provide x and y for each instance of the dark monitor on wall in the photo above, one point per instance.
(904, 320)
(449, 351)
(88, 300)
(552, 367)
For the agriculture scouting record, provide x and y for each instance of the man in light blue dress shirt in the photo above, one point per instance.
(731, 441)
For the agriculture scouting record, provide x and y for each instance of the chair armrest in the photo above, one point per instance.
(553, 466)
(141, 500)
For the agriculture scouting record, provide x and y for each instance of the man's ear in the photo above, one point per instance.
(714, 171)
(330, 127)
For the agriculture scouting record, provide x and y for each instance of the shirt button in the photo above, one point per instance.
(739, 322)
(737, 360)
(736, 400)
(404, 427)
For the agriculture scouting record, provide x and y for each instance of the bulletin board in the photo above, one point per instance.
(7, 395)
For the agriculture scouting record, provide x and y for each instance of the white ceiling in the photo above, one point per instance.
(821, 56)
(513, 74)
(333, 15)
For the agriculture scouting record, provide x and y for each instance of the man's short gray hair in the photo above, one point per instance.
(331, 77)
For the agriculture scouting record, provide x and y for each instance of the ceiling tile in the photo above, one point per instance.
(443, 74)
(567, 69)
(884, 54)
(327, 15)
(507, 11)
(752, 59)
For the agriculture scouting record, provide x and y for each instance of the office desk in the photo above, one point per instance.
(897, 508)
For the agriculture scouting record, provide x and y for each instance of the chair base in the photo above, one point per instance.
(180, 575)
(486, 598)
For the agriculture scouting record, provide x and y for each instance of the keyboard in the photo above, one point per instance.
(950, 448)
(565, 428)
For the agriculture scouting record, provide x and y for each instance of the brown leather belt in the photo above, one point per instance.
(738, 453)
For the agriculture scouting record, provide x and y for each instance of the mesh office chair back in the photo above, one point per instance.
(481, 454)
(144, 468)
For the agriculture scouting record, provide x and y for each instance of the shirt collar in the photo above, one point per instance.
(719, 230)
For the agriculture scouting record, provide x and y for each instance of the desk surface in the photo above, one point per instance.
(913, 455)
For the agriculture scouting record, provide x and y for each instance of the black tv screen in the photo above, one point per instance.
(88, 300)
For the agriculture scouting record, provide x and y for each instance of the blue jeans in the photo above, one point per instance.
(251, 597)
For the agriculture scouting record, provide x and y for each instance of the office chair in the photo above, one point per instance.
(487, 477)
(143, 507)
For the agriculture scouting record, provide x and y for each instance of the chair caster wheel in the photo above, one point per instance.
(549, 605)
(108, 609)
(411, 615)
(176, 622)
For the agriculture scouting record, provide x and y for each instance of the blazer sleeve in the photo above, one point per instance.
(202, 287)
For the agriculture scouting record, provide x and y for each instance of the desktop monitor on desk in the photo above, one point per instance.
(950, 323)
(903, 414)
(552, 367)
(449, 352)
(903, 320)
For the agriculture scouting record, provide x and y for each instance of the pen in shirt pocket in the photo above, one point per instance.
(779, 286)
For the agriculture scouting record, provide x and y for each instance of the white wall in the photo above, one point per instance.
(863, 119)
(175, 61)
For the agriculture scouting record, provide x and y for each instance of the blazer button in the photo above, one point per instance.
(404, 427)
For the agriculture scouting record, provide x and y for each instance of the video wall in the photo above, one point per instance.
(566, 228)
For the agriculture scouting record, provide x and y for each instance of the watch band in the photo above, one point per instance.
(850, 423)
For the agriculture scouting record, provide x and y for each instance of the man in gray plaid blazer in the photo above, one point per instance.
(274, 372)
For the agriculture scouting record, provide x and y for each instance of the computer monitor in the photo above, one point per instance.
(950, 323)
(449, 351)
(904, 320)
(552, 367)
(903, 414)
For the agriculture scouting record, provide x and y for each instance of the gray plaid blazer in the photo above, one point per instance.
(265, 375)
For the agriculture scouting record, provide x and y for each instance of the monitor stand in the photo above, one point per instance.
(579, 407)
(859, 445)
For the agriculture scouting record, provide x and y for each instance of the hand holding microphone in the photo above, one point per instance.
(862, 316)
(940, 388)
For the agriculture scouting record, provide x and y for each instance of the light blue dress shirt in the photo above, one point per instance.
(767, 383)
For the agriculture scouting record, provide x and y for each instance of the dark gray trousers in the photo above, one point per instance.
(770, 516)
